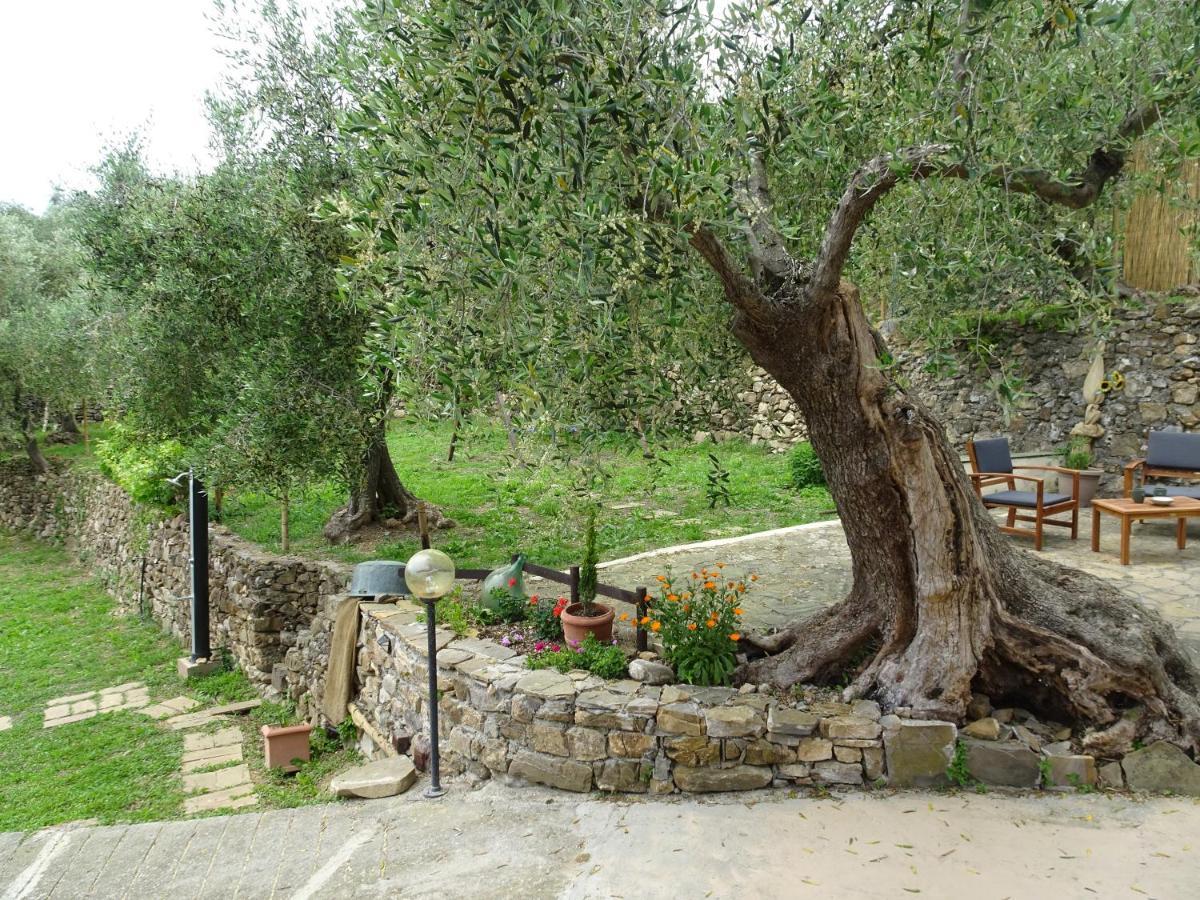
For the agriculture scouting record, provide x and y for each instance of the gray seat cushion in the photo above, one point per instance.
(1174, 450)
(992, 455)
(1024, 498)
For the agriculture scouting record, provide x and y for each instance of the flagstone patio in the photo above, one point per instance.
(806, 567)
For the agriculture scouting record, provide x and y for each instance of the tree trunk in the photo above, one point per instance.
(942, 603)
(68, 431)
(378, 495)
(40, 466)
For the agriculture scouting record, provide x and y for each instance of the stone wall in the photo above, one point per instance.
(577, 732)
(259, 602)
(1155, 349)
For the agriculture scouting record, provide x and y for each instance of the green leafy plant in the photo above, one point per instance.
(1078, 455)
(544, 617)
(716, 486)
(1044, 770)
(604, 660)
(957, 771)
(806, 468)
(510, 605)
(142, 467)
(697, 620)
(460, 615)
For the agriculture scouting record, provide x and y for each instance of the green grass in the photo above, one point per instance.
(60, 635)
(528, 503)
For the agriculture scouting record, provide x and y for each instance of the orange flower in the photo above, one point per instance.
(662, 578)
(741, 587)
(644, 620)
(694, 575)
(710, 584)
(672, 597)
(738, 611)
(656, 626)
(720, 565)
(691, 626)
(729, 584)
(624, 617)
(686, 607)
(735, 637)
(711, 624)
(754, 578)
(687, 595)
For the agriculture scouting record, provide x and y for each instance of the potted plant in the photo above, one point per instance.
(587, 616)
(1079, 457)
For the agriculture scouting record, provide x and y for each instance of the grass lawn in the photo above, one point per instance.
(60, 635)
(505, 504)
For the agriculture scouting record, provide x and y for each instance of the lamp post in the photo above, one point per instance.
(430, 575)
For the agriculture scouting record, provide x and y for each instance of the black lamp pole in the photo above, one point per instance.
(198, 524)
(435, 783)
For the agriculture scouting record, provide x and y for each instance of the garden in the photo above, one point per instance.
(492, 276)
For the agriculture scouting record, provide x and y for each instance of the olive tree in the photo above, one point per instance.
(765, 144)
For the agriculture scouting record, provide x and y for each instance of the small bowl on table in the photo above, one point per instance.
(1159, 500)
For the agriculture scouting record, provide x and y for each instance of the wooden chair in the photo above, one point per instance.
(1169, 454)
(991, 464)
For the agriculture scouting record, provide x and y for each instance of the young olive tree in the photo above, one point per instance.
(500, 130)
(48, 337)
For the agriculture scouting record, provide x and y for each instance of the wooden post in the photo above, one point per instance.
(574, 585)
(643, 637)
(423, 524)
(85, 422)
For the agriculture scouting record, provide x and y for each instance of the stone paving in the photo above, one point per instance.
(806, 567)
(532, 843)
(77, 707)
(5, 723)
(168, 708)
(214, 773)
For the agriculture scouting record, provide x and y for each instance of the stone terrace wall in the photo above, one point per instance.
(579, 732)
(259, 601)
(1155, 349)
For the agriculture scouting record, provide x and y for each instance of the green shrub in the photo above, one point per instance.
(544, 617)
(142, 467)
(806, 468)
(604, 660)
(697, 621)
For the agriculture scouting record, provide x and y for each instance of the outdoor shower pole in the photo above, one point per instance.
(198, 525)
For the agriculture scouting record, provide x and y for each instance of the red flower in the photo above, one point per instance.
(512, 582)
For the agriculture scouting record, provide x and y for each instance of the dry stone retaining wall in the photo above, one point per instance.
(1156, 349)
(259, 601)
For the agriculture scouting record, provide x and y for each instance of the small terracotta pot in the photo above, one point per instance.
(576, 627)
(282, 744)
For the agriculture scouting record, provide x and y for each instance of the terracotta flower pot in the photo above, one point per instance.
(577, 626)
(283, 744)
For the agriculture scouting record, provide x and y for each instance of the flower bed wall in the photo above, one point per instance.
(578, 732)
(259, 601)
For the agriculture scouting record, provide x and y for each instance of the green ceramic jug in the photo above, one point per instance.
(510, 579)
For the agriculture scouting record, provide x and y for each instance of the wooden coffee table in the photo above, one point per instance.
(1127, 510)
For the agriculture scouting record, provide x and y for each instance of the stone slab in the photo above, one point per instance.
(381, 778)
(918, 751)
(223, 738)
(567, 774)
(217, 756)
(5, 723)
(218, 780)
(191, 720)
(1161, 767)
(237, 797)
(1004, 763)
(708, 779)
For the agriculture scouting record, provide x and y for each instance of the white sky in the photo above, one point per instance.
(78, 74)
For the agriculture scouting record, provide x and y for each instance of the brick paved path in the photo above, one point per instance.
(531, 843)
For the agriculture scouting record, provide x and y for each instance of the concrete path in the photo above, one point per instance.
(532, 843)
(806, 567)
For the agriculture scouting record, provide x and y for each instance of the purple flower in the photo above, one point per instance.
(517, 636)
(573, 643)
(505, 642)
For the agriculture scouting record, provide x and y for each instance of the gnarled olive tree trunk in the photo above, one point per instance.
(942, 603)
